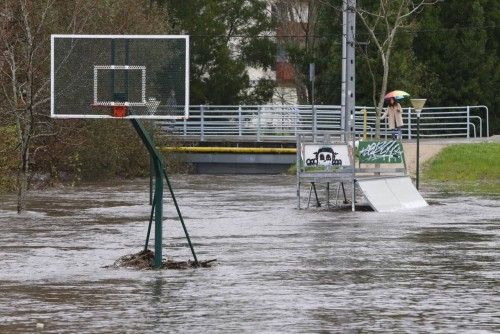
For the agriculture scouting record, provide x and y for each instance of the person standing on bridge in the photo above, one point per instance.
(395, 113)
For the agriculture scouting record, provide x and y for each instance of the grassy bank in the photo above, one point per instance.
(467, 167)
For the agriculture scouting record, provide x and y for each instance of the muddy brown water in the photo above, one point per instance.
(433, 270)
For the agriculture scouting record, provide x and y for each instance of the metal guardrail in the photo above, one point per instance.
(283, 123)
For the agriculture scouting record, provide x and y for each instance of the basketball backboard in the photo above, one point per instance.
(120, 76)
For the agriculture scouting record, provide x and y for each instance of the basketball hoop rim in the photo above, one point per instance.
(150, 117)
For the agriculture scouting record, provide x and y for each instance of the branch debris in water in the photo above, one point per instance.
(145, 260)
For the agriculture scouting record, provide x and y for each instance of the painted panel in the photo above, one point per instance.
(387, 152)
(324, 157)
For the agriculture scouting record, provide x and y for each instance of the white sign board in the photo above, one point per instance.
(324, 157)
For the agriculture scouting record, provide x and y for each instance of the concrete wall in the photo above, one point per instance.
(206, 163)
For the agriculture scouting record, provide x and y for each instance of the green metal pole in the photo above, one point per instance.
(153, 204)
(158, 202)
(418, 149)
(160, 172)
(158, 214)
(151, 166)
(180, 216)
(151, 170)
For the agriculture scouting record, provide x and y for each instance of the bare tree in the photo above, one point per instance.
(383, 19)
(383, 24)
(24, 79)
(25, 28)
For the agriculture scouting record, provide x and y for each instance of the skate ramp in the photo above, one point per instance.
(391, 194)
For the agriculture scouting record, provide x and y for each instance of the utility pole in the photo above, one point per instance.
(313, 109)
(348, 99)
(349, 82)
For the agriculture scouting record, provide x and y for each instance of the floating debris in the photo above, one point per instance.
(433, 202)
(144, 260)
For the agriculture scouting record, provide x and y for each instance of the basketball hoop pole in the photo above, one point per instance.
(157, 205)
(158, 194)
(125, 79)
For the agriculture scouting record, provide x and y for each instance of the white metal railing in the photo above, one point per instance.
(285, 122)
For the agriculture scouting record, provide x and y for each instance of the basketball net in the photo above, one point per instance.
(151, 105)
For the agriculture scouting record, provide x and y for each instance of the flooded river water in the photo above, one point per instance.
(432, 270)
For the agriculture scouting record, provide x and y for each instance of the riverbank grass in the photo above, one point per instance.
(471, 168)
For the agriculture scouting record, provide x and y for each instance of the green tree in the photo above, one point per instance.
(226, 38)
(458, 43)
(297, 26)
(328, 54)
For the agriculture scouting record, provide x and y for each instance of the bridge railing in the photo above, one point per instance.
(286, 122)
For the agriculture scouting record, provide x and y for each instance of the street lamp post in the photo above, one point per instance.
(418, 105)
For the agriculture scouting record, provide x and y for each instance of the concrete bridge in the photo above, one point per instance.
(261, 139)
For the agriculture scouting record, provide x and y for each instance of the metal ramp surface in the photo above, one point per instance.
(391, 194)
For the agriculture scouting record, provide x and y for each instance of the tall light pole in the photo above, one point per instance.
(418, 105)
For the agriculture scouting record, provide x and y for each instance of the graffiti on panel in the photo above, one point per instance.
(389, 151)
(324, 158)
